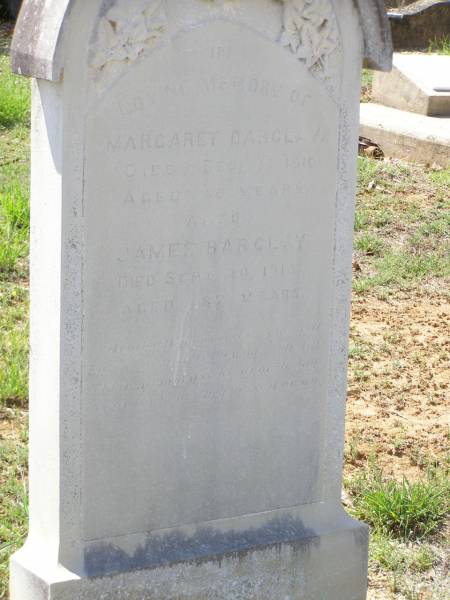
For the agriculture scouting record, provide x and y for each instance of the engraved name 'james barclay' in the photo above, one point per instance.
(212, 248)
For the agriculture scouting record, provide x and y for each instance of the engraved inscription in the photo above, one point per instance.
(211, 86)
(210, 198)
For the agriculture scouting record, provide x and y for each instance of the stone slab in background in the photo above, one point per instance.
(407, 136)
(193, 189)
(418, 83)
(415, 26)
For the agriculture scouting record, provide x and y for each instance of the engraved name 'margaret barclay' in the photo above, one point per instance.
(151, 140)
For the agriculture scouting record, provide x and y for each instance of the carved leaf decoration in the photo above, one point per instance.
(126, 29)
(311, 32)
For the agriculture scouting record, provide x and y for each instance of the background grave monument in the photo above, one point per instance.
(193, 181)
(409, 115)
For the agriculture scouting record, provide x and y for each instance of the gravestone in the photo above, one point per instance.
(193, 182)
(418, 83)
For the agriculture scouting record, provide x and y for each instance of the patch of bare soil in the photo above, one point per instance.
(10, 425)
(398, 402)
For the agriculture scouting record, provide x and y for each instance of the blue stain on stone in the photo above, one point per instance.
(207, 544)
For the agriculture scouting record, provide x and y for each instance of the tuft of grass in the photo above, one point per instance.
(382, 218)
(440, 180)
(14, 236)
(14, 97)
(10, 251)
(358, 351)
(386, 553)
(14, 248)
(13, 500)
(402, 510)
(440, 46)
(422, 559)
(361, 220)
(432, 235)
(370, 244)
(400, 558)
(366, 85)
(402, 270)
(393, 176)
(13, 345)
(367, 170)
(15, 206)
(440, 176)
(14, 374)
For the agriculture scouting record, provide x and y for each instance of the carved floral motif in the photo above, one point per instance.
(126, 30)
(311, 31)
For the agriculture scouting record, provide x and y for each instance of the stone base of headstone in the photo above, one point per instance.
(329, 565)
(407, 136)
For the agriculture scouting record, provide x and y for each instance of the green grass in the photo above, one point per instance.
(14, 224)
(13, 498)
(400, 558)
(406, 565)
(441, 181)
(366, 85)
(13, 345)
(369, 244)
(15, 206)
(390, 175)
(403, 270)
(440, 46)
(14, 237)
(14, 97)
(401, 238)
(14, 248)
(402, 510)
(407, 519)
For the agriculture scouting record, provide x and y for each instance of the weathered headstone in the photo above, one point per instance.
(193, 180)
(418, 83)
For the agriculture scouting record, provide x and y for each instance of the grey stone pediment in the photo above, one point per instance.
(38, 44)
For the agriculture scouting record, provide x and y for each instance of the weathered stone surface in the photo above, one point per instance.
(309, 569)
(36, 51)
(193, 183)
(418, 83)
(407, 136)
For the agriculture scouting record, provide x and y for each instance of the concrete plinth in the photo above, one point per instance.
(407, 136)
(327, 566)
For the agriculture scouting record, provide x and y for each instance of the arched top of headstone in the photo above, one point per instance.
(38, 44)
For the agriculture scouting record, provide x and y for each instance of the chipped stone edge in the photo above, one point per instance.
(37, 47)
(378, 46)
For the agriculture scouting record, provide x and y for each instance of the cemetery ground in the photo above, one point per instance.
(396, 456)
